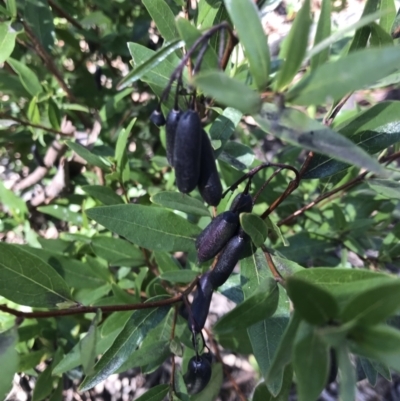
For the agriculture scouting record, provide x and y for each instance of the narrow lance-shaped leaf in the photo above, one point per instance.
(27, 77)
(347, 375)
(252, 37)
(135, 330)
(9, 360)
(157, 393)
(148, 226)
(7, 40)
(149, 64)
(89, 156)
(335, 79)
(27, 280)
(228, 91)
(323, 31)
(295, 47)
(298, 129)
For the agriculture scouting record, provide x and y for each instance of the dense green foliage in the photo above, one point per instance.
(101, 247)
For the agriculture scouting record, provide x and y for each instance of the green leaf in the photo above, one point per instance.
(374, 129)
(237, 155)
(255, 227)
(7, 40)
(40, 19)
(283, 355)
(228, 91)
(298, 129)
(259, 306)
(295, 47)
(14, 204)
(27, 280)
(75, 273)
(252, 37)
(157, 393)
(148, 226)
(104, 194)
(310, 363)
(135, 330)
(182, 202)
(323, 32)
(347, 375)
(117, 251)
(62, 213)
(265, 335)
(261, 393)
(190, 34)
(361, 36)
(387, 188)
(26, 76)
(379, 37)
(9, 360)
(373, 305)
(369, 370)
(179, 276)
(43, 386)
(88, 345)
(121, 155)
(12, 7)
(149, 64)
(54, 114)
(388, 7)
(336, 79)
(87, 155)
(163, 17)
(285, 267)
(315, 305)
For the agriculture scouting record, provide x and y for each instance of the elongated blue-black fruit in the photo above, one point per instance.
(157, 118)
(170, 129)
(210, 186)
(187, 151)
(243, 203)
(198, 374)
(228, 258)
(216, 235)
(201, 303)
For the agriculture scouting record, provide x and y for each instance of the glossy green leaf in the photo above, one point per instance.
(148, 226)
(179, 276)
(379, 37)
(43, 386)
(104, 194)
(62, 213)
(369, 370)
(179, 201)
(7, 40)
(373, 305)
(315, 305)
(295, 47)
(265, 335)
(374, 129)
(149, 64)
(156, 393)
(228, 91)
(165, 262)
(361, 36)
(90, 157)
(252, 37)
(255, 227)
(75, 273)
(12, 7)
(261, 392)
(296, 128)
(54, 114)
(15, 205)
(117, 251)
(257, 307)
(135, 330)
(190, 34)
(347, 375)
(121, 154)
(9, 360)
(88, 345)
(237, 155)
(333, 80)
(26, 76)
(27, 280)
(310, 363)
(39, 18)
(323, 32)
(283, 355)
(387, 188)
(395, 31)
(285, 267)
(163, 17)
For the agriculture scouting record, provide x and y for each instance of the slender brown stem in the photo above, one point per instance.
(28, 124)
(92, 309)
(65, 15)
